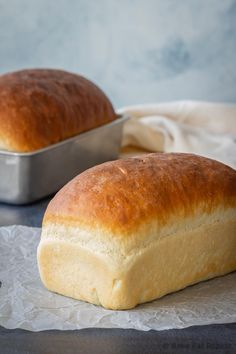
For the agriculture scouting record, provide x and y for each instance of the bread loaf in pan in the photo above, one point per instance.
(130, 231)
(40, 107)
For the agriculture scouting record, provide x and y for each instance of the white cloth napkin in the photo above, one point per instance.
(204, 128)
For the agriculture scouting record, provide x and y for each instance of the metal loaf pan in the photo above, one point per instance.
(27, 177)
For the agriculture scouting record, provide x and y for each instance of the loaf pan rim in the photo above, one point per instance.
(119, 119)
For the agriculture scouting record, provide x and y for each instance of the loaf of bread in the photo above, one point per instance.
(43, 106)
(130, 231)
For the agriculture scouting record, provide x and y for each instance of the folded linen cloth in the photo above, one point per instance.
(204, 128)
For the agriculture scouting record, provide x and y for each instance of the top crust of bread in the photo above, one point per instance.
(40, 107)
(124, 196)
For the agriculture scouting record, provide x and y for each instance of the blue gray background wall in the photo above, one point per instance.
(136, 50)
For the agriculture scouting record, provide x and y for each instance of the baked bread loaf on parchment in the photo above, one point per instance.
(130, 231)
(40, 107)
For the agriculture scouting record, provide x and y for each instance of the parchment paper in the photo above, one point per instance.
(25, 303)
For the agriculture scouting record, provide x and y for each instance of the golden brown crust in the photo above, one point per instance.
(41, 107)
(121, 195)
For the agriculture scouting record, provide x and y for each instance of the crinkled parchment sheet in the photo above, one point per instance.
(25, 303)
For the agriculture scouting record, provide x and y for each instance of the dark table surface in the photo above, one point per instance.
(213, 339)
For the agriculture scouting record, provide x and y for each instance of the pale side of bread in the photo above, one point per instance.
(130, 231)
(40, 107)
